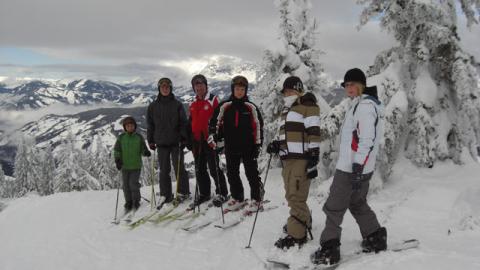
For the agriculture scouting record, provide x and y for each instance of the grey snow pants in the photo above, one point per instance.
(341, 198)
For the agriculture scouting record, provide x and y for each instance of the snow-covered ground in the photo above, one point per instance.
(439, 206)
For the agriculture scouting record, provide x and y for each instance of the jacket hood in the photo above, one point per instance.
(371, 91)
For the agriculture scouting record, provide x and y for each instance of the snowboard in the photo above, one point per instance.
(396, 247)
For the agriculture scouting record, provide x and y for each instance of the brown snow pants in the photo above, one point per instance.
(296, 192)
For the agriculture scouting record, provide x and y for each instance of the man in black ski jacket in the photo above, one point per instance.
(167, 132)
(238, 124)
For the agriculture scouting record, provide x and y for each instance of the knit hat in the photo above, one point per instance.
(354, 75)
(293, 82)
(165, 80)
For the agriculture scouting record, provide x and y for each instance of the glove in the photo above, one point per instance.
(183, 143)
(152, 146)
(273, 148)
(189, 146)
(357, 178)
(313, 158)
(147, 153)
(211, 142)
(220, 146)
(257, 149)
(118, 163)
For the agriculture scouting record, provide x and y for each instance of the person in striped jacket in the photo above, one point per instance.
(298, 146)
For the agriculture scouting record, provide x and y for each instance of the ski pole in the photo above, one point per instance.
(116, 204)
(217, 165)
(258, 209)
(152, 177)
(178, 170)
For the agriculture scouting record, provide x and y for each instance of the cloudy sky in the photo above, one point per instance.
(122, 40)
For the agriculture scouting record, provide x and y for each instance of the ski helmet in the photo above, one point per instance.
(293, 82)
(239, 80)
(165, 80)
(129, 120)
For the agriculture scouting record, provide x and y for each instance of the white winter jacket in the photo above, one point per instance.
(361, 133)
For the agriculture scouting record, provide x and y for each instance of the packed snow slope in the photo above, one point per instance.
(439, 206)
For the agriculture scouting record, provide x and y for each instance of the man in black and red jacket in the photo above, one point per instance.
(238, 123)
(201, 110)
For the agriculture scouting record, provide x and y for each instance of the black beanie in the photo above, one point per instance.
(354, 75)
(293, 82)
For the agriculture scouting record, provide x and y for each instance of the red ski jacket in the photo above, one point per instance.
(200, 113)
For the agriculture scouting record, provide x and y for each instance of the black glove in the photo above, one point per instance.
(357, 178)
(273, 148)
(152, 146)
(313, 158)
(147, 153)
(118, 163)
(256, 150)
(220, 146)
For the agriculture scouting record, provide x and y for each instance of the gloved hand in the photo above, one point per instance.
(273, 148)
(257, 149)
(152, 146)
(220, 146)
(118, 163)
(189, 146)
(357, 170)
(212, 142)
(183, 143)
(147, 153)
(313, 158)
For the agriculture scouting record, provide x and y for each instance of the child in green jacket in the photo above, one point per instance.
(128, 151)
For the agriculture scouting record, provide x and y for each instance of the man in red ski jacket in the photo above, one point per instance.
(201, 110)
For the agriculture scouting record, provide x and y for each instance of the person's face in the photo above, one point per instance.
(239, 91)
(130, 127)
(200, 89)
(289, 92)
(352, 89)
(164, 89)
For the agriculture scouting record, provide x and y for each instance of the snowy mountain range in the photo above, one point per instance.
(20, 94)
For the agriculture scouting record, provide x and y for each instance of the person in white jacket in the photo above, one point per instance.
(359, 141)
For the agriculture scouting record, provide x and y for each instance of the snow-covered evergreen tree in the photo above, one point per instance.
(26, 165)
(297, 55)
(428, 83)
(47, 171)
(70, 173)
(4, 190)
(102, 166)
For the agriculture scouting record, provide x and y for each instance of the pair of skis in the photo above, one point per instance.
(235, 220)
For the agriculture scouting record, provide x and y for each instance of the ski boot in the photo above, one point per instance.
(376, 241)
(218, 200)
(289, 241)
(181, 198)
(199, 200)
(254, 206)
(234, 205)
(328, 254)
